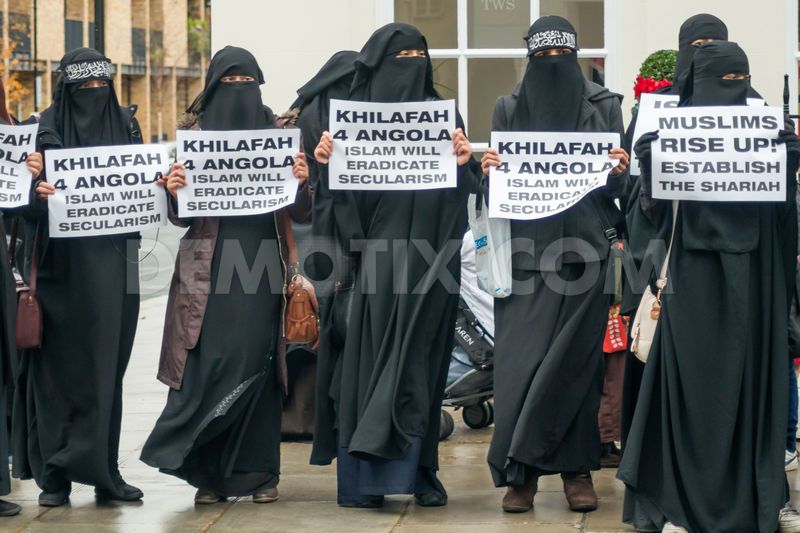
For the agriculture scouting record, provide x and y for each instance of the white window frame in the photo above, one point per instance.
(384, 14)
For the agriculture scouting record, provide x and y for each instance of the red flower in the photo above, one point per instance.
(648, 85)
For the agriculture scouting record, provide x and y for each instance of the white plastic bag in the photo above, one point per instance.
(492, 248)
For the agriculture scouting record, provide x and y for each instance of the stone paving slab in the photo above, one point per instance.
(308, 493)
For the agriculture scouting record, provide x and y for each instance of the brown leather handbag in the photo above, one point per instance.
(301, 321)
(301, 316)
(29, 312)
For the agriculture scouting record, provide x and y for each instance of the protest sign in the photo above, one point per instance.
(720, 154)
(16, 142)
(106, 190)
(234, 173)
(651, 107)
(392, 147)
(542, 174)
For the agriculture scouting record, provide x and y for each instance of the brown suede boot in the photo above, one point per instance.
(579, 490)
(519, 498)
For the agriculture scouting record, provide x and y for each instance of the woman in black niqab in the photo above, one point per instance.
(394, 66)
(386, 390)
(546, 410)
(551, 92)
(723, 321)
(231, 97)
(68, 405)
(694, 32)
(221, 427)
(81, 117)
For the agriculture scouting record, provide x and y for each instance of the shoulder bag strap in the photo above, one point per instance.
(611, 234)
(12, 243)
(662, 278)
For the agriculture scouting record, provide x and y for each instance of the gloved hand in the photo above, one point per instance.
(644, 151)
(788, 137)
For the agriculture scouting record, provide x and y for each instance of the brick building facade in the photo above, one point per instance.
(158, 48)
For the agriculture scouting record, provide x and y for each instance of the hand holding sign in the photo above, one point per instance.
(176, 179)
(35, 164)
(622, 156)
(461, 147)
(789, 138)
(324, 149)
(300, 167)
(490, 159)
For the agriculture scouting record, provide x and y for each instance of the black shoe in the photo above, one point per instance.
(431, 499)
(9, 509)
(127, 493)
(54, 499)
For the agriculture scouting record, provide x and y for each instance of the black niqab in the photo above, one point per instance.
(551, 93)
(705, 85)
(84, 117)
(337, 70)
(333, 81)
(382, 77)
(232, 106)
(702, 26)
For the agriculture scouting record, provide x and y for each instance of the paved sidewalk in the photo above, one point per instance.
(308, 493)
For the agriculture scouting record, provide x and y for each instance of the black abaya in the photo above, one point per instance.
(549, 372)
(69, 395)
(549, 340)
(68, 403)
(221, 430)
(712, 406)
(8, 354)
(330, 266)
(388, 384)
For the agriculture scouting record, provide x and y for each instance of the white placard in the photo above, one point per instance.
(392, 147)
(651, 107)
(720, 154)
(106, 190)
(234, 173)
(16, 142)
(542, 174)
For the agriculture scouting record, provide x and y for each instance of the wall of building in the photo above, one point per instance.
(150, 65)
(759, 27)
(291, 40)
(118, 26)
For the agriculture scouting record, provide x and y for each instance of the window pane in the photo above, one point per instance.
(445, 78)
(585, 15)
(436, 19)
(488, 80)
(498, 23)
(594, 69)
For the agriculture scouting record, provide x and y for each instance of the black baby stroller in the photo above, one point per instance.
(469, 381)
